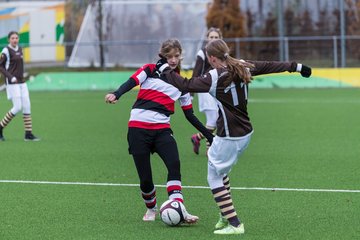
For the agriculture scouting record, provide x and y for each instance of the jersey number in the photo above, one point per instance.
(234, 95)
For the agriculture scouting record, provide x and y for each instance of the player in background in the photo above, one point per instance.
(12, 67)
(149, 126)
(207, 103)
(228, 83)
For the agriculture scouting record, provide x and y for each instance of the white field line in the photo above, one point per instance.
(297, 100)
(191, 187)
(278, 100)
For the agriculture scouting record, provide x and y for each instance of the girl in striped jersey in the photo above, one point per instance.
(12, 66)
(149, 126)
(228, 83)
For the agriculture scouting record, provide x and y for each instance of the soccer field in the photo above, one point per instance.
(299, 178)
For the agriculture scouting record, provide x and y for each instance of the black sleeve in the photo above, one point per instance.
(189, 114)
(125, 87)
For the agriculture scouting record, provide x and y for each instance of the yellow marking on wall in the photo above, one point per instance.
(26, 54)
(60, 53)
(60, 15)
(25, 27)
(346, 75)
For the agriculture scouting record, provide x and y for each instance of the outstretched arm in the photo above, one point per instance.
(136, 79)
(195, 84)
(125, 87)
(265, 67)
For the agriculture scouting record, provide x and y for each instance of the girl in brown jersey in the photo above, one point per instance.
(207, 104)
(12, 67)
(228, 83)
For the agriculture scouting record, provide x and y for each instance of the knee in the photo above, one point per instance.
(214, 179)
(26, 107)
(16, 108)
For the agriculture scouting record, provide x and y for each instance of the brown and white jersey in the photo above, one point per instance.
(202, 64)
(12, 64)
(232, 100)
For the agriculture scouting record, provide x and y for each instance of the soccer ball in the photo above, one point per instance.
(172, 212)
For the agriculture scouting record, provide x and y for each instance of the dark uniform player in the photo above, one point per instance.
(207, 103)
(149, 127)
(12, 66)
(228, 83)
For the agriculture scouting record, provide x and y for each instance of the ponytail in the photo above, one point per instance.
(239, 71)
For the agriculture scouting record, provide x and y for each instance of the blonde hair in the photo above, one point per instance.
(238, 69)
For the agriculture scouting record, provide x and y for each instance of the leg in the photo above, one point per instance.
(10, 115)
(143, 167)
(148, 191)
(25, 100)
(167, 149)
(139, 147)
(223, 199)
(223, 222)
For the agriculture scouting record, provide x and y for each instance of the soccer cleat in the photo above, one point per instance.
(229, 230)
(223, 222)
(150, 215)
(190, 219)
(1, 135)
(31, 137)
(196, 143)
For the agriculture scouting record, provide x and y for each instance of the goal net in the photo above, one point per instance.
(133, 31)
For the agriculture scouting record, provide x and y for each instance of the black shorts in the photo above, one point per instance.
(142, 141)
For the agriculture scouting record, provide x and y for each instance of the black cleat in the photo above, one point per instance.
(31, 137)
(1, 135)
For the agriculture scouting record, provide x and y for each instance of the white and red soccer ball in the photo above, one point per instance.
(172, 212)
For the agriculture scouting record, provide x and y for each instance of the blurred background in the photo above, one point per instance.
(127, 33)
(115, 34)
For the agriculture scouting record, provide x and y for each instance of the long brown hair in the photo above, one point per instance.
(238, 69)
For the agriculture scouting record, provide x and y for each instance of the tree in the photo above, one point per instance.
(226, 15)
(352, 20)
(103, 23)
(74, 14)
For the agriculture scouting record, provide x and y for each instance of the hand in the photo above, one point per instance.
(110, 98)
(305, 71)
(161, 64)
(13, 80)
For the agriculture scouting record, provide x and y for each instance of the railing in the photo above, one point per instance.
(317, 51)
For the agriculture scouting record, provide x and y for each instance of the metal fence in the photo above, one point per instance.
(317, 51)
(320, 51)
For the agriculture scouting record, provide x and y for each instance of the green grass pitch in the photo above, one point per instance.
(304, 140)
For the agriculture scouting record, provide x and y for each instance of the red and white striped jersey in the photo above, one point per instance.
(155, 101)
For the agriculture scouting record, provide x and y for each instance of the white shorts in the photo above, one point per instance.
(223, 153)
(17, 90)
(207, 102)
